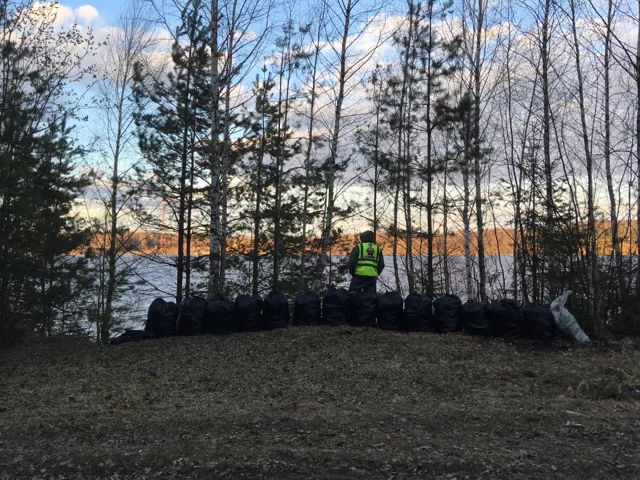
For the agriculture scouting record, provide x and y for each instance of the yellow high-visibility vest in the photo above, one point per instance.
(368, 255)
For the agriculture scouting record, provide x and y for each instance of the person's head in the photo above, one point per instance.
(367, 237)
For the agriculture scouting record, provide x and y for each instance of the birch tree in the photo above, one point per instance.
(347, 21)
(131, 43)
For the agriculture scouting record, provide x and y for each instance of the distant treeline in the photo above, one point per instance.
(498, 242)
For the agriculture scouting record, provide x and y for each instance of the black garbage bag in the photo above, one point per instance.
(389, 311)
(246, 312)
(505, 318)
(538, 322)
(447, 314)
(336, 307)
(363, 309)
(162, 318)
(275, 311)
(306, 309)
(218, 316)
(475, 318)
(191, 321)
(417, 313)
(132, 336)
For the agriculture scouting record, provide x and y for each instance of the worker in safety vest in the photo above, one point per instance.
(365, 264)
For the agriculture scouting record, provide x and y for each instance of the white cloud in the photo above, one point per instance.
(87, 13)
(65, 15)
(47, 10)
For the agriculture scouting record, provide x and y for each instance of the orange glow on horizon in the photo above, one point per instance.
(497, 242)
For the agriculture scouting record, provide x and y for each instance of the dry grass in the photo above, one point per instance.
(320, 402)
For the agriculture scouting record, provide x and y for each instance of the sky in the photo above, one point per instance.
(107, 9)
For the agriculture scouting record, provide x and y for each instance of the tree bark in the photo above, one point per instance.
(226, 149)
(128, 47)
(445, 232)
(105, 324)
(307, 158)
(404, 143)
(333, 147)
(477, 153)
(613, 209)
(637, 78)
(592, 253)
(256, 221)
(214, 283)
(184, 159)
(396, 207)
(466, 225)
(429, 166)
(283, 118)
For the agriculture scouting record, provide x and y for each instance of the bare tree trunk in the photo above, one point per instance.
(637, 78)
(477, 154)
(423, 275)
(428, 117)
(225, 161)
(237, 47)
(256, 223)
(519, 174)
(466, 222)
(307, 158)
(105, 324)
(184, 156)
(214, 283)
(128, 46)
(546, 134)
(613, 209)
(335, 135)
(396, 205)
(445, 232)
(256, 229)
(189, 228)
(377, 98)
(181, 218)
(404, 145)
(255, 260)
(408, 217)
(510, 150)
(499, 256)
(516, 186)
(349, 15)
(429, 174)
(409, 232)
(547, 112)
(5, 317)
(429, 206)
(284, 83)
(224, 227)
(592, 253)
(376, 174)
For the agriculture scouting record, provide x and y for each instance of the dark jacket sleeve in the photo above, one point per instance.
(380, 261)
(353, 260)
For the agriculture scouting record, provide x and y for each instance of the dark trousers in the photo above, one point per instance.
(368, 284)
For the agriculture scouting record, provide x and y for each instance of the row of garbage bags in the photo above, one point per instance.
(416, 313)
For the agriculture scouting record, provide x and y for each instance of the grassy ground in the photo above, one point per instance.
(320, 402)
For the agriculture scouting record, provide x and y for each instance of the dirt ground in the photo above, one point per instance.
(320, 402)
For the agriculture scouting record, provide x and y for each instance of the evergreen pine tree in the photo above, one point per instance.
(173, 131)
(417, 101)
(38, 179)
(267, 146)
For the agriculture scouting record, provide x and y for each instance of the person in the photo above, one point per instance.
(365, 264)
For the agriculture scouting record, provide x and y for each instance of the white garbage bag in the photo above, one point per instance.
(566, 322)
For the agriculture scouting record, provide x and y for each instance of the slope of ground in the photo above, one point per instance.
(320, 403)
